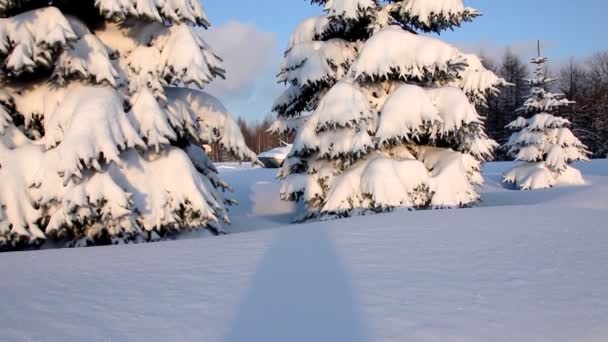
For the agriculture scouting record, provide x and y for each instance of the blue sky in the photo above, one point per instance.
(566, 27)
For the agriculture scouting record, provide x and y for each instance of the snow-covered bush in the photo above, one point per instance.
(385, 115)
(102, 121)
(543, 144)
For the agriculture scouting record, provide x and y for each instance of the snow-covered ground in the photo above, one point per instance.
(523, 266)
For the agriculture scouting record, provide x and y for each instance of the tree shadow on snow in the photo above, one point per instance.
(300, 292)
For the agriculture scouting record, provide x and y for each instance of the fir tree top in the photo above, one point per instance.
(541, 100)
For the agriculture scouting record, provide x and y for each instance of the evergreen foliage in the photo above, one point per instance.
(102, 122)
(542, 141)
(385, 116)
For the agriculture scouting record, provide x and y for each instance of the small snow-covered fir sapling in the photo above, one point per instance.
(542, 141)
(384, 115)
(102, 122)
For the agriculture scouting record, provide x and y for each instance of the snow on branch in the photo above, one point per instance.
(350, 9)
(477, 81)
(343, 106)
(12, 138)
(88, 124)
(288, 125)
(89, 210)
(87, 59)
(206, 119)
(433, 16)
(412, 112)
(308, 30)
(170, 11)
(151, 120)
(19, 215)
(186, 58)
(546, 146)
(407, 114)
(378, 183)
(164, 200)
(337, 128)
(33, 39)
(315, 62)
(7, 108)
(393, 53)
(154, 55)
(138, 200)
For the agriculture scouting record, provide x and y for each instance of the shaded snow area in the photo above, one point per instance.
(522, 266)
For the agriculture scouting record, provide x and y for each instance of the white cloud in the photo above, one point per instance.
(248, 53)
(251, 59)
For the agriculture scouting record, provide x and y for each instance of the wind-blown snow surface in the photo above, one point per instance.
(524, 266)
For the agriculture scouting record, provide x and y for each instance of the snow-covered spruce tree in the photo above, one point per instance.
(542, 142)
(384, 114)
(100, 125)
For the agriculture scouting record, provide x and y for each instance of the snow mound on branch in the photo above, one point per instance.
(317, 61)
(123, 38)
(391, 183)
(12, 137)
(100, 200)
(344, 105)
(454, 108)
(435, 15)
(379, 182)
(287, 126)
(151, 120)
(543, 101)
(530, 176)
(304, 185)
(412, 112)
(33, 38)
(395, 53)
(186, 58)
(87, 59)
(407, 114)
(542, 121)
(143, 70)
(37, 101)
(288, 99)
(450, 185)
(89, 123)
(331, 144)
(518, 123)
(122, 202)
(155, 55)
(163, 200)
(204, 165)
(428, 11)
(477, 81)
(173, 11)
(7, 107)
(570, 176)
(349, 9)
(308, 30)
(18, 212)
(213, 122)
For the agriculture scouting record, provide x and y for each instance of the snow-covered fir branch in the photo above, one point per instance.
(102, 123)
